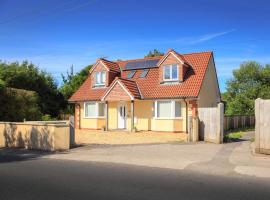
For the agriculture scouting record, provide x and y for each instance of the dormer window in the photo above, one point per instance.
(170, 73)
(100, 79)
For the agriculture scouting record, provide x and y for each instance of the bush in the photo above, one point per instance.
(48, 118)
(17, 105)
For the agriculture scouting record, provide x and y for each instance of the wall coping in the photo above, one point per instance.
(38, 123)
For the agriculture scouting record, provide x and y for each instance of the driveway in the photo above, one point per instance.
(225, 159)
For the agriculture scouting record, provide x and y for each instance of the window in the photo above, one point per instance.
(170, 73)
(90, 109)
(131, 74)
(167, 109)
(164, 109)
(100, 78)
(94, 109)
(144, 73)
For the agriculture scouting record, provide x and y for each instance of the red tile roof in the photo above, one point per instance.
(87, 92)
(111, 65)
(149, 87)
(190, 87)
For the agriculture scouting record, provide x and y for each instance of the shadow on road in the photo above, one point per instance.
(19, 154)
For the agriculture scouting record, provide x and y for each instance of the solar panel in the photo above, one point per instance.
(144, 73)
(142, 64)
(131, 74)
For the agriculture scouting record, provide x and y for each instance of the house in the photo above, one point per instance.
(149, 94)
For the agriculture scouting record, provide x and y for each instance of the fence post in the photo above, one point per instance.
(257, 125)
(220, 118)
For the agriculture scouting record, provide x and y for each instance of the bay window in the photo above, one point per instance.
(170, 73)
(94, 109)
(167, 109)
(100, 78)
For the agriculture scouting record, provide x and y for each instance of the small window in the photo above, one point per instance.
(177, 109)
(170, 73)
(131, 74)
(101, 109)
(100, 78)
(144, 73)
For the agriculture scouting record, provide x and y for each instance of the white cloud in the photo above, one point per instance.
(213, 36)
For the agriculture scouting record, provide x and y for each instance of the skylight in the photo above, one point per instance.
(144, 73)
(131, 74)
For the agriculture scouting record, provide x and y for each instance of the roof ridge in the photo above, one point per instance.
(196, 52)
(108, 61)
(138, 59)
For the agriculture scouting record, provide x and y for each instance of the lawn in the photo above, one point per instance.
(236, 134)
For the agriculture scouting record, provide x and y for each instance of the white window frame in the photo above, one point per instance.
(99, 75)
(172, 109)
(96, 109)
(171, 79)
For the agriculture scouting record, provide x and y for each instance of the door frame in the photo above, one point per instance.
(122, 103)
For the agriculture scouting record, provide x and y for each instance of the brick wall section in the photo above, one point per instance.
(77, 116)
(169, 61)
(118, 94)
(194, 107)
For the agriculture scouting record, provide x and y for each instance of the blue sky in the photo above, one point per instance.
(54, 34)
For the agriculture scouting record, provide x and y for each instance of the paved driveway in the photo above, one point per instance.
(225, 159)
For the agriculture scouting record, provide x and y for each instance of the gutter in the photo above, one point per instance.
(186, 114)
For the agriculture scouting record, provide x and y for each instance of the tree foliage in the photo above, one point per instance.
(29, 77)
(17, 105)
(249, 82)
(154, 53)
(71, 82)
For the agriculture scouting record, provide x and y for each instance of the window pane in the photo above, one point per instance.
(131, 74)
(97, 78)
(164, 109)
(90, 109)
(177, 109)
(167, 73)
(144, 73)
(103, 77)
(101, 109)
(174, 72)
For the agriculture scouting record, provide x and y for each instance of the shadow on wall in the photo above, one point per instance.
(34, 138)
(201, 130)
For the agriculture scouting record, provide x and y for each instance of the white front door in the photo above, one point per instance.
(122, 116)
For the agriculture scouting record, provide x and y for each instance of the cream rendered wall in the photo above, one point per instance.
(143, 113)
(112, 115)
(143, 119)
(209, 94)
(91, 123)
(146, 121)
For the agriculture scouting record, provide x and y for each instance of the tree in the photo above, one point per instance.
(17, 105)
(249, 82)
(29, 77)
(154, 53)
(71, 83)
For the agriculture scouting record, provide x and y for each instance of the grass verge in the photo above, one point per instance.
(236, 134)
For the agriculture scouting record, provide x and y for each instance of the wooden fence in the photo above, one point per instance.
(235, 122)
